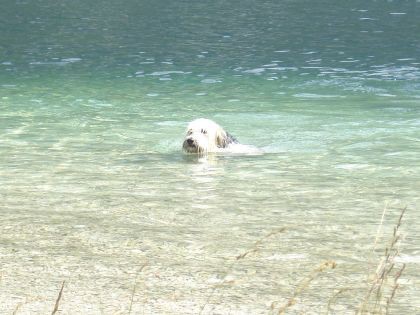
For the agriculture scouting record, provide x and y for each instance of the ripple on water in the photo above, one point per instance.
(56, 62)
(160, 73)
(211, 81)
(317, 96)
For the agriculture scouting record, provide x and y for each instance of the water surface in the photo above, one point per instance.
(94, 100)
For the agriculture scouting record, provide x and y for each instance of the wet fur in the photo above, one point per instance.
(205, 136)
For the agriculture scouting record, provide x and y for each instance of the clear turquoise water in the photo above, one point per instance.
(94, 101)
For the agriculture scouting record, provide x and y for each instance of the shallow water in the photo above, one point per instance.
(95, 191)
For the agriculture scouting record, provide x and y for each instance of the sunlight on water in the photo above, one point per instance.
(95, 190)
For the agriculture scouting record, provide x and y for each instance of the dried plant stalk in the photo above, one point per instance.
(375, 299)
(304, 284)
(57, 302)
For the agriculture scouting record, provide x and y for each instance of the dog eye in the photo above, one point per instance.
(203, 131)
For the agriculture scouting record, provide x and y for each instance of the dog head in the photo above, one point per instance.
(204, 136)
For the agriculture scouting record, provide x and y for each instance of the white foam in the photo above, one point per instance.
(71, 60)
(414, 259)
(159, 73)
(255, 71)
(210, 81)
(238, 148)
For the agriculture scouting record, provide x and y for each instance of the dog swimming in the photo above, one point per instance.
(204, 136)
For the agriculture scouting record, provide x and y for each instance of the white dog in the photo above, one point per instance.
(205, 136)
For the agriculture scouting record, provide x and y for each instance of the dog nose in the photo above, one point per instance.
(190, 141)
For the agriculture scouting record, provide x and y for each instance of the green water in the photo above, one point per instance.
(95, 97)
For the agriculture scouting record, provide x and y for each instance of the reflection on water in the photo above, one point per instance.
(94, 189)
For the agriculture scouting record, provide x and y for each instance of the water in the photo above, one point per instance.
(94, 100)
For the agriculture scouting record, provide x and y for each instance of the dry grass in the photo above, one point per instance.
(382, 277)
(133, 292)
(380, 294)
(17, 308)
(302, 286)
(252, 250)
(57, 302)
(382, 285)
